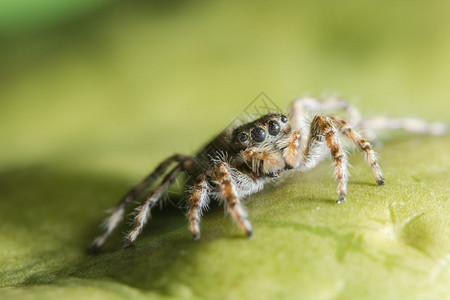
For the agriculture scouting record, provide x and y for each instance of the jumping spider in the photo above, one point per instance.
(240, 161)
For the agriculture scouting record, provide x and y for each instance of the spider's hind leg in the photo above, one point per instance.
(117, 214)
(143, 212)
(302, 107)
(362, 145)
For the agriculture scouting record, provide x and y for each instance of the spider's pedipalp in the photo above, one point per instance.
(144, 211)
(265, 160)
(292, 152)
(228, 191)
(197, 202)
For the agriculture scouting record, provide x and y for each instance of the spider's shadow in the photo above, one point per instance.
(64, 208)
(363, 183)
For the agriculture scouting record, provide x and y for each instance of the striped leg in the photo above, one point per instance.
(363, 145)
(117, 214)
(322, 127)
(197, 202)
(144, 211)
(228, 191)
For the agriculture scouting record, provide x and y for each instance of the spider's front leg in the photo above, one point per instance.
(363, 145)
(322, 127)
(222, 174)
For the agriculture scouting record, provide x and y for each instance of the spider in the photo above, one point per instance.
(241, 160)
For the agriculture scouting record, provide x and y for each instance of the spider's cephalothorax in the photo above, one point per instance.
(240, 161)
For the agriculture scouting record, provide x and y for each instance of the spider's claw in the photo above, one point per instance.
(341, 199)
(196, 236)
(195, 230)
(95, 246)
(128, 245)
(247, 228)
(94, 249)
(380, 181)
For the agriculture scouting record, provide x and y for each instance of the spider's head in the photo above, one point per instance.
(268, 128)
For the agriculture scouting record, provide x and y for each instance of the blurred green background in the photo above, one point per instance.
(93, 94)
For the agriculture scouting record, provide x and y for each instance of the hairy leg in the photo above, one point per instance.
(118, 212)
(323, 129)
(408, 124)
(197, 202)
(363, 145)
(144, 211)
(228, 191)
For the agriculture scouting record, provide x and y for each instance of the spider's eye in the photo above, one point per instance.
(243, 137)
(258, 134)
(283, 119)
(274, 127)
